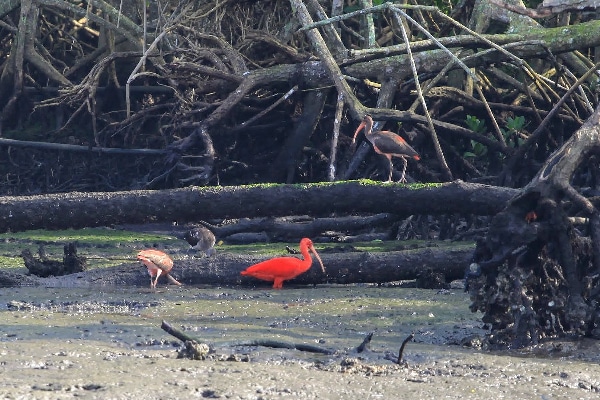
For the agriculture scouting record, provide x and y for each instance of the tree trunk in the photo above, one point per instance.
(295, 227)
(224, 269)
(79, 210)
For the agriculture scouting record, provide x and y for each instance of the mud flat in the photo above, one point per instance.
(60, 343)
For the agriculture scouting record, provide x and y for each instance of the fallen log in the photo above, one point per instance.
(224, 269)
(294, 227)
(79, 210)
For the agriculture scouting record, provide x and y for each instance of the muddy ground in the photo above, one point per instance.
(60, 343)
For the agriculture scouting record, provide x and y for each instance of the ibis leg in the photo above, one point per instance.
(403, 177)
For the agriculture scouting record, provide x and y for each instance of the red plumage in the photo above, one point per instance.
(283, 268)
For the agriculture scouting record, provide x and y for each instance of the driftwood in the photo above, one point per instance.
(184, 337)
(43, 267)
(294, 227)
(224, 269)
(78, 210)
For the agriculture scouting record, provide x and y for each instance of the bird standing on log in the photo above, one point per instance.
(387, 143)
(202, 239)
(157, 263)
(283, 268)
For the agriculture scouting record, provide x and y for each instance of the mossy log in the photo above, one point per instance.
(224, 269)
(79, 210)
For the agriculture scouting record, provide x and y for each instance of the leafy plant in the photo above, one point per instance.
(479, 150)
(475, 124)
(515, 124)
(513, 127)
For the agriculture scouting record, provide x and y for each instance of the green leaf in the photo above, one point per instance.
(515, 124)
(475, 124)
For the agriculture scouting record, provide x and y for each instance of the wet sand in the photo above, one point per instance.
(60, 343)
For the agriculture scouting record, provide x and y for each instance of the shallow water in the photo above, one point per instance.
(107, 343)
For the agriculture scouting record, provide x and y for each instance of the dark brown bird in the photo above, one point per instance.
(201, 239)
(387, 143)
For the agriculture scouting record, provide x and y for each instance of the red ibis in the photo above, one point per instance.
(283, 268)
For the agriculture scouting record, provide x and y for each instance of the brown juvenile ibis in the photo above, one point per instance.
(283, 268)
(202, 239)
(157, 263)
(387, 143)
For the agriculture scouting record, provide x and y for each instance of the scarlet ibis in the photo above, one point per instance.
(283, 268)
(157, 263)
(201, 239)
(387, 143)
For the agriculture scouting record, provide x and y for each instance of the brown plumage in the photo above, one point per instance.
(387, 143)
(201, 239)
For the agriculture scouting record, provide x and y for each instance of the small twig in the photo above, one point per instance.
(165, 326)
(455, 59)
(78, 148)
(365, 343)
(490, 114)
(434, 138)
(134, 74)
(265, 111)
(338, 18)
(401, 351)
(336, 133)
(282, 345)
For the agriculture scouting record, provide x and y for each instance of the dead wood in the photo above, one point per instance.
(220, 77)
(536, 274)
(44, 267)
(224, 269)
(284, 166)
(79, 149)
(296, 227)
(199, 353)
(78, 210)
(549, 7)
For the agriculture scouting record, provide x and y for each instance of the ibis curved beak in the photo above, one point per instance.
(173, 280)
(312, 248)
(361, 126)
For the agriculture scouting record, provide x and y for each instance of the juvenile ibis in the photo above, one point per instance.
(201, 239)
(157, 263)
(283, 268)
(387, 143)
